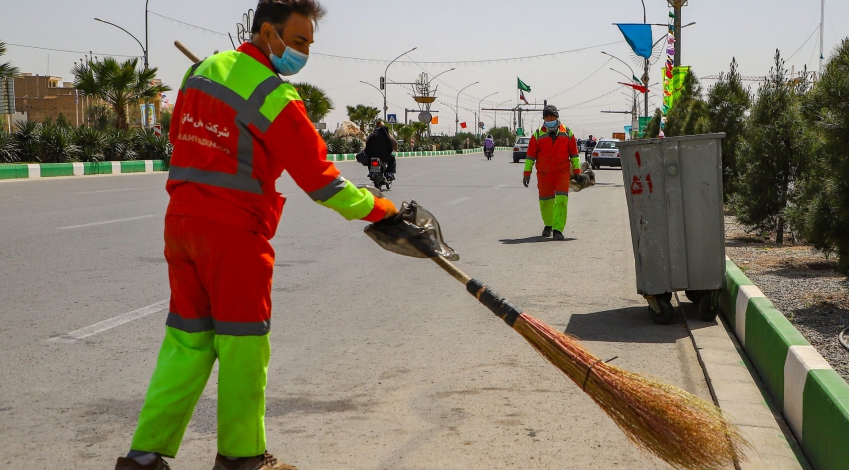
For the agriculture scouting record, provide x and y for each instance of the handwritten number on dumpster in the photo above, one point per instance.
(636, 183)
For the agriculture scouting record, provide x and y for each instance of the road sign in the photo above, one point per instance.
(392, 119)
(520, 132)
(481, 124)
(157, 130)
(425, 117)
(7, 96)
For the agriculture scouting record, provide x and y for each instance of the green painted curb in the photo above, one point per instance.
(813, 398)
(13, 171)
(46, 170)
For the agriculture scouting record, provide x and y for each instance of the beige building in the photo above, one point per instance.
(39, 97)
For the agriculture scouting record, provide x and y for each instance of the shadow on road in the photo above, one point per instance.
(536, 239)
(625, 325)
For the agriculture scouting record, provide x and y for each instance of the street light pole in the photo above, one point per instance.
(145, 34)
(386, 82)
(457, 106)
(143, 48)
(479, 110)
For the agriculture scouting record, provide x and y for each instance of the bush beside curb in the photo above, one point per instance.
(813, 398)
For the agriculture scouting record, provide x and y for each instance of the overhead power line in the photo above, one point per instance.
(69, 51)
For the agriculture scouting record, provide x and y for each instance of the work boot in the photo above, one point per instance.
(125, 463)
(558, 235)
(265, 461)
(546, 232)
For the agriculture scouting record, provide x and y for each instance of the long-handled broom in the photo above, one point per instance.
(676, 426)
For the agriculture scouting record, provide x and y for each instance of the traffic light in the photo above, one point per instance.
(382, 83)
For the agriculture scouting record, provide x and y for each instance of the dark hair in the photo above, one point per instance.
(277, 12)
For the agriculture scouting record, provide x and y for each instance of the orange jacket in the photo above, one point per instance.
(552, 155)
(235, 128)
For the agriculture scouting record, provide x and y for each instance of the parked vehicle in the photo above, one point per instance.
(377, 173)
(520, 149)
(605, 153)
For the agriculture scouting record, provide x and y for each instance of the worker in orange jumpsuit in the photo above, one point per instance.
(237, 126)
(554, 150)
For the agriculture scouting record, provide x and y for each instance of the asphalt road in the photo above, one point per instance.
(379, 361)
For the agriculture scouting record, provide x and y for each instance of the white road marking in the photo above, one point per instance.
(500, 186)
(108, 191)
(104, 223)
(457, 201)
(100, 327)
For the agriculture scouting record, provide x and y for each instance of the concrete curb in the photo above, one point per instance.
(813, 398)
(45, 170)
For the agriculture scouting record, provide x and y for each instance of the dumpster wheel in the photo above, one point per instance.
(660, 308)
(708, 305)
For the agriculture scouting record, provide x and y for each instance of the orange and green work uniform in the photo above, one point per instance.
(236, 128)
(556, 157)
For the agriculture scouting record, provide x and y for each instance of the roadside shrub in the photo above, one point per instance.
(27, 136)
(8, 152)
(118, 146)
(149, 146)
(57, 144)
(90, 142)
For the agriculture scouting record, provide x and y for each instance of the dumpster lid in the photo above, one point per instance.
(681, 138)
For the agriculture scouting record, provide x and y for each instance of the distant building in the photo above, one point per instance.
(39, 97)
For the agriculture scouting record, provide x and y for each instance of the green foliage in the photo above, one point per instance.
(149, 146)
(28, 141)
(121, 84)
(653, 127)
(7, 70)
(822, 214)
(8, 153)
(774, 150)
(727, 104)
(90, 142)
(689, 114)
(57, 144)
(316, 101)
(118, 146)
(363, 116)
(165, 120)
(101, 116)
(502, 136)
(339, 145)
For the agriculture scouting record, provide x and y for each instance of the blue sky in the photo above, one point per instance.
(580, 83)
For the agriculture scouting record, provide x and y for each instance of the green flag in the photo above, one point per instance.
(523, 86)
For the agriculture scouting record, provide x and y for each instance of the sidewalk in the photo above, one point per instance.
(737, 389)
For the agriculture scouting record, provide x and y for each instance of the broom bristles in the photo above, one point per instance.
(676, 426)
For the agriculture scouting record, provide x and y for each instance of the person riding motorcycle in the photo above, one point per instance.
(380, 144)
(589, 146)
(488, 145)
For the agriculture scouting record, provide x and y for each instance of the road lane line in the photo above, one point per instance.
(456, 201)
(104, 222)
(500, 186)
(108, 191)
(100, 327)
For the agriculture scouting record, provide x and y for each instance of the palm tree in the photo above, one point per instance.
(419, 128)
(120, 84)
(363, 116)
(316, 101)
(7, 70)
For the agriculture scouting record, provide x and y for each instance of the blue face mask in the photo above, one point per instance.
(290, 63)
(552, 125)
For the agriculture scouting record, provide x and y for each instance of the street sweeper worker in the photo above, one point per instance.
(554, 150)
(237, 126)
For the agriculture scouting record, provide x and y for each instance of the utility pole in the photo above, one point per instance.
(676, 6)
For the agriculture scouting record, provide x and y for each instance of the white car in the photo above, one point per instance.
(520, 149)
(606, 153)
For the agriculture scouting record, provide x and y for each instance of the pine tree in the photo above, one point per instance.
(775, 148)
(823, 211)
(653, 127)
(727, 104)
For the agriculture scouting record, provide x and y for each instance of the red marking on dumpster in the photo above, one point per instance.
(636, 186)
(651, 186)
(639, 160)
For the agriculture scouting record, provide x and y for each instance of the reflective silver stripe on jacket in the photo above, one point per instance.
(333, 188)
(247, 113)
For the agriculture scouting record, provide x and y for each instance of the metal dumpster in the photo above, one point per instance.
(674, 192)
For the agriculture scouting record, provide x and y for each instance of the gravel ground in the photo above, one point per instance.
(802, 283)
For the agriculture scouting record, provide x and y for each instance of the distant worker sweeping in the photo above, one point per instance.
(554, 150)
(237, 127)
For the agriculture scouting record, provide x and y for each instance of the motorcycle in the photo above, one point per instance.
(488, 152)
(377, 173)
